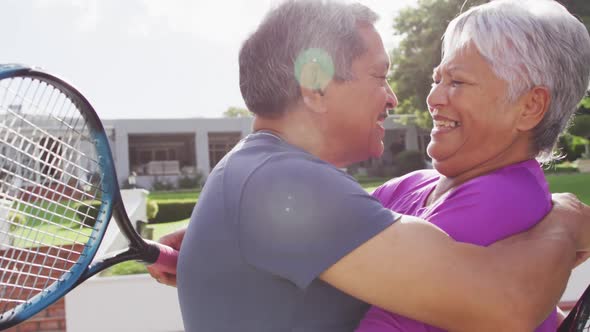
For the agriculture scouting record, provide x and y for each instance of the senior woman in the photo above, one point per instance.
(511, 76)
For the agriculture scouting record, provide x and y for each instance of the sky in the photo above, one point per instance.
(146, 58)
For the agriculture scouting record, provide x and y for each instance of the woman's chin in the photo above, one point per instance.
(444, 168)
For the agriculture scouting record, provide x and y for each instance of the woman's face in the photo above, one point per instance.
(474, 123)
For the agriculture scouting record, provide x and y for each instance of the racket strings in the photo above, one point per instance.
(48, 171)
(70, 153)
(39, 174)
(33, 240)
(45, 146)
(46, 149)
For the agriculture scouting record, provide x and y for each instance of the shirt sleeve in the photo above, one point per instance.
(299, 216)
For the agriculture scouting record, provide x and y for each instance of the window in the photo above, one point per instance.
(177, 148)
(220, 144)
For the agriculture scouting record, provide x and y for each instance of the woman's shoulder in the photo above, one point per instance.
(493, 206)
(514, 186)
(513, 181)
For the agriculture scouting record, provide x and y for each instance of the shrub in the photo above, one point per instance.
(571, 146)
(408, 161)
(88, 212)
(16, 220)
(151, 209)
(173, 211)
(162, 185)
(190, 182)
(581, 125)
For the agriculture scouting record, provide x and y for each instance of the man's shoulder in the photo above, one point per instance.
(278, 160)
(271, 170)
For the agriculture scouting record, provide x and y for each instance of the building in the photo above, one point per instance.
(164, 150)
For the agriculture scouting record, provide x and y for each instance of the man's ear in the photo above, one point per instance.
(535, 104)
(313, 99)
(313, 82)
(314, 71)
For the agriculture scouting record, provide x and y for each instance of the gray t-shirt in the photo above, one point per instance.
(270, 219)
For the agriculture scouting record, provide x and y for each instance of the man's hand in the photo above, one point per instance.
(573, 217)
(173, 240)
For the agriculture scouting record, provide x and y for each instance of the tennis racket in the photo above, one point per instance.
(578, 320)
(58, 192)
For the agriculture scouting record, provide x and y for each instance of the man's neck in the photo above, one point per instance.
(298, 129)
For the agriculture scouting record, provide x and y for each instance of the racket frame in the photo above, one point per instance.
(111, 205)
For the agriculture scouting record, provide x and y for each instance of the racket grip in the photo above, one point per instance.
(167, 259)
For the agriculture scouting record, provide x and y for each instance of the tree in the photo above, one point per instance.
(237, 112)
(581, 126)
(419, 51)
(580, 136)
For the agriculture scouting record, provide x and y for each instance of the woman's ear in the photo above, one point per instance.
(535, 104)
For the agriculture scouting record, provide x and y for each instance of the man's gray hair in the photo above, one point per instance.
(530, 43)
(267, 59)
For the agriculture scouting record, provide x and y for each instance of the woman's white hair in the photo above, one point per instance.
(530, 43)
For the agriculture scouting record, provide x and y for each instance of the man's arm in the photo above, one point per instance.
(414, 269)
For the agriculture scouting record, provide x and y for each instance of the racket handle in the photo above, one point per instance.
(167, 259)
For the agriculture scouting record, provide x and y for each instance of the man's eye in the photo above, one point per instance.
(456, 83)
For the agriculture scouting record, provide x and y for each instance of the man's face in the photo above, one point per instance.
(358, 108)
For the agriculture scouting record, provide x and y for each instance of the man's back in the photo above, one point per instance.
(270, 219)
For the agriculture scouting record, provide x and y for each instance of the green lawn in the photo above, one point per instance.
(577, 183)
(189, 195)
(47, 223)
(165, 228)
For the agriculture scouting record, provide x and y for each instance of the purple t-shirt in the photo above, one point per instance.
(480, 211)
